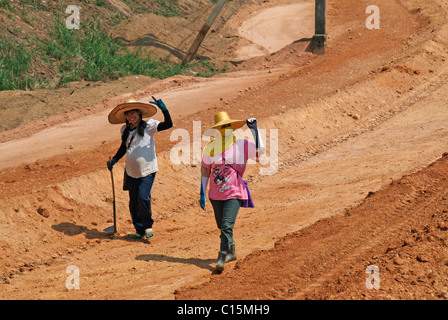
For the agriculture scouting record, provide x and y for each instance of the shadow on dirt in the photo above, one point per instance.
(71, 229)
(150, 40)
(201, 263)
(309, 47)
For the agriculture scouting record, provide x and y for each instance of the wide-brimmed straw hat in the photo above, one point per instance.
(117, 114)
(222, 118)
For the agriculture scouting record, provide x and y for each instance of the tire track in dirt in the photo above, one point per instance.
(401, 105)
(377, 228)
(373, 123)
(409, 204)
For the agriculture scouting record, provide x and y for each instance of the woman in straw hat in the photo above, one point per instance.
(137, 142)
(223, 164)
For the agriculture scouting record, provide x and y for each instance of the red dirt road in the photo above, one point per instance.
(351, 187)
(401, 230)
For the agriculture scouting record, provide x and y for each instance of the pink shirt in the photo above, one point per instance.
(227, 170)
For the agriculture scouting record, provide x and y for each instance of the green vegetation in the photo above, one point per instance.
(84, 54)
(206, 69)
(92, 55)
(167, 9)
(5, 4)
(15, 60)
(215, 1)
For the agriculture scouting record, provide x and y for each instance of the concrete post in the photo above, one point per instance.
(320, 36)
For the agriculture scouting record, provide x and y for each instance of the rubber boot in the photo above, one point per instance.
(230, 256)
(220, 264)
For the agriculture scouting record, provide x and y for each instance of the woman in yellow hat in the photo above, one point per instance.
(223, 164)
(137, 142)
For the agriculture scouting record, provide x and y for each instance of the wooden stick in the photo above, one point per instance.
(203, 32)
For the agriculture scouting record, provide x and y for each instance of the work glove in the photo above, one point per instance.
(111, 163)
(202, 200)
(252, 123)
(159, 103)
(204, 182)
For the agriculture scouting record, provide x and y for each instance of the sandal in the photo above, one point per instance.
(149, 233)
(134, 236)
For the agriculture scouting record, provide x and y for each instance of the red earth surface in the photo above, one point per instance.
(355, 175)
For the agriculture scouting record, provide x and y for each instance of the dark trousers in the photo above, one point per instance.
(225, 216)
(140, 202)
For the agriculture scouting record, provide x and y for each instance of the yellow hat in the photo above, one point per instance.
(222, 118)
(117, 114)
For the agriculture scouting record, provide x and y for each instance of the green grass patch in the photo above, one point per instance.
(87, 54)
(5, 4)
(206, 70)
(15, 61)
(167, 9)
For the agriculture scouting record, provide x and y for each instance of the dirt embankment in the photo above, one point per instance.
(399, 232)
(368, 112)
(165, 38)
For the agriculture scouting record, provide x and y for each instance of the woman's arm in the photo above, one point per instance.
(121, 151)
(205, 172)
(167, 122)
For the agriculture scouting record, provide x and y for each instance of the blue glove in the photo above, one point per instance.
(111, 163)
(202, 199)
(204, 182)
(159, 103)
